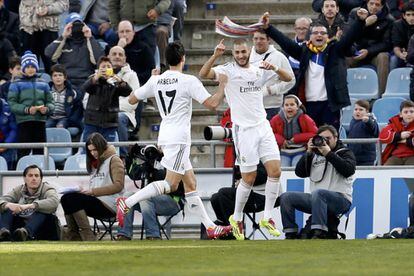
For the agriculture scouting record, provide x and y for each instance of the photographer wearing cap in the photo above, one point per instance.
(330, 167)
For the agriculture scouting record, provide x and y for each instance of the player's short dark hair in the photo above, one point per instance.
(26, 170)
(174, 53)
(58, 68)
(14, 61)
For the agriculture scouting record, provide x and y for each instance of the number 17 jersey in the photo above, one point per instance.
(174, 92)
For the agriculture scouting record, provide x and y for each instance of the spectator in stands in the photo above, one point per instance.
(104, 89)
(31, 102)
(374, 41)
(292, 129)
(126, 115)
(142, 14)
(77, 50)
(402, 30)
(95, 15)
(301, 30)
(321, 84)
(276, 87)
(399, 137)
(9, 26)
(39, 23)
(107, 177)
(15, 72)
(345, 6)
(164, 24)
(12, 5)
(396, 7)
(68, 110)
(363, 125)
(6, 52)
(330, 167)
(8, 133)
(332, 20)
(410, 60)
(27, 211)
(180, 9)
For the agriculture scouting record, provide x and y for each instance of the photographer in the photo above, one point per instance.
(76, 49)
(330, 167)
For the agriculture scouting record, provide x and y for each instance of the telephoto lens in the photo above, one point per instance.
(217, 133)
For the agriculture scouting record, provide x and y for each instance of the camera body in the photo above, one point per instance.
(217, 133)
(140, 163)
(319, 141)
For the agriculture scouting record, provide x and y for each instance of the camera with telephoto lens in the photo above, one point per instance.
(319, 141)
(217, 133)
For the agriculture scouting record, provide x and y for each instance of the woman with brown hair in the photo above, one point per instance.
(107, 177)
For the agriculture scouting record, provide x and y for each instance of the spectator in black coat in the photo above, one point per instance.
(9, 26)
(345, 6)
(332, 20)
(410, 60)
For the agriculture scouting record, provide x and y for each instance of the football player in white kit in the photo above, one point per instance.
(174, 92)
(252, 135)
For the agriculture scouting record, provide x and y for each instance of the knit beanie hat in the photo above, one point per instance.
(29, 58)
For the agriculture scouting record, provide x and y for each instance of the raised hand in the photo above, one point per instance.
(220, 48)
(265, 19)
(362, 14)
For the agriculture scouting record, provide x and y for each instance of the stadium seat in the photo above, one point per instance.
(75, 163)
(35, 159)
(73, 131)
(362, 83)
(60, 135)
(398, 83)
(385, 108)
(347, 112)
(342, 133)
(107, 224)
(3, 164)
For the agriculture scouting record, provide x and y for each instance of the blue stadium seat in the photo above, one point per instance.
(342, 133)
(75, 163)
(385, 108)
(73, 131)
(398, 83)
(35, 159)
(362, 83)
(60, 135)
(346, 115)
(3, 164)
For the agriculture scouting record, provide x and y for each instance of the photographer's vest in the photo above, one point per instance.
(101, 178)
(324, 176)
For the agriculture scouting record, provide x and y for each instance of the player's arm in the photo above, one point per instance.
(141, 93)
(132, 99)
(214, 101)
(284, 75)
(206, 72)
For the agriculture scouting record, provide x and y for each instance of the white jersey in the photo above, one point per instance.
(174, 92)
(244, 92)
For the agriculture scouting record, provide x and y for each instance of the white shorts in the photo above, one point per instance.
(176, 158)
(253, 144)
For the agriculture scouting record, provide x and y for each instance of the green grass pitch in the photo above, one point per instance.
(195, 257)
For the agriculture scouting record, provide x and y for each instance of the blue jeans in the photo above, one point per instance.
(290, 160)
(63, 122)
(11, 157)
(123, 123)
(411, 209)
(162, 205)
(318, 203)
(110, 36)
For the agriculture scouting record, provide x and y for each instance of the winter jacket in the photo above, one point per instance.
(333, 172)
(9, 27)
(135, 10)
(391, 134)
(376, 38)
(345, 6)
(339, 23)
(306, 124)
(46, 198)
(78, 56)
(364, 153)
(8, 127)
(73, 105)
(103, 103)
(335, 70)
(6, 52)
(130, 77)
(401, 34)
(29, 20)
(410, 60)
(26, 92)
(139, 57)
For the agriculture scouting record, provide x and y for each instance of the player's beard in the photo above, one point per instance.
(242, 65)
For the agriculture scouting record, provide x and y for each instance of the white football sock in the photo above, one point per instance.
(271, 193)
(155, 188)
(242, 195)
(196, 206)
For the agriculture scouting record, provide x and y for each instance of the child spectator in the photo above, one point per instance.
(363, 125)
(292, 129)
(8, 133)
(68, 102)
(15, 71)
(399, 137)
(102, 108)
(31, 101)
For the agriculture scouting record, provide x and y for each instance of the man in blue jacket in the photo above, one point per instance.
(8, 133)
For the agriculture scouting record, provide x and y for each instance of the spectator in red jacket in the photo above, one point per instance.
(292, 129)
(399, 137)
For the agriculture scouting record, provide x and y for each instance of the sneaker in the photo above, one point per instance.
(218, 231)
(270, 226)
(5, 235)
(237, 227)
(122, 238)
(20, 234)
(121, 210)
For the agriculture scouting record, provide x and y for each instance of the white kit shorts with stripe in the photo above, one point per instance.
(176, 158)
